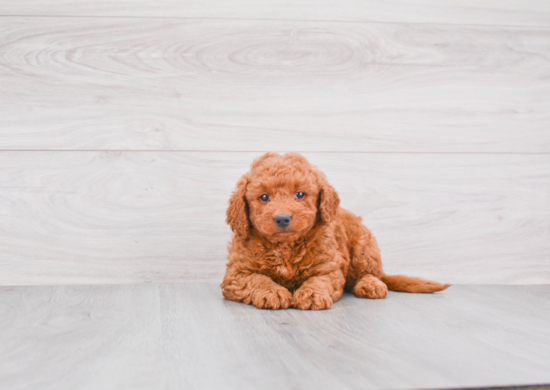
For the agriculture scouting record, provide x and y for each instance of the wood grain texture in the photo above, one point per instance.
(188, 336)
(492, 12)
(171, 84)
(134, 217)
(80, 338)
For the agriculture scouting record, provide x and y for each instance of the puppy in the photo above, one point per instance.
(294, 246)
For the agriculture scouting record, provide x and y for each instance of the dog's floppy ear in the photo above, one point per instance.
(328, 199)
(237, 212)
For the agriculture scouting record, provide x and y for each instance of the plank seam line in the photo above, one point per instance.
(263, 151)
(537, 26)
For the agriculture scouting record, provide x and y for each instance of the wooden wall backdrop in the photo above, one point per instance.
(125, 125)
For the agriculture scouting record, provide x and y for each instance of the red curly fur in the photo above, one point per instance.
(308, 265)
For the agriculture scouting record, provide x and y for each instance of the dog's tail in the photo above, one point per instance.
(411, 284)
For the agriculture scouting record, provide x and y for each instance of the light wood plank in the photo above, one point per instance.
(134, 217)
(405, 341)
(169, 84)
(492, 12)
(85, 337)
(188, 336)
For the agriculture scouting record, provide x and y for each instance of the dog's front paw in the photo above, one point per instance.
(308, 299)
(274, 298)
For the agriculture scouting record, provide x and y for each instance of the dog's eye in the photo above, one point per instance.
(264, 198)
(300, 195)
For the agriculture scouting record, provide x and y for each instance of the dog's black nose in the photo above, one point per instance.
(282, 220)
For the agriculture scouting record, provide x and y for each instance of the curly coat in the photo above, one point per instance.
(324, 251)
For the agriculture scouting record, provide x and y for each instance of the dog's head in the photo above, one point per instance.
(282, 198)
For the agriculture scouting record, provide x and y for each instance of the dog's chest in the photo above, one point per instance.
(285, 266)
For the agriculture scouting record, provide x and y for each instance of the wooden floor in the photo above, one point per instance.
(187, 336)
